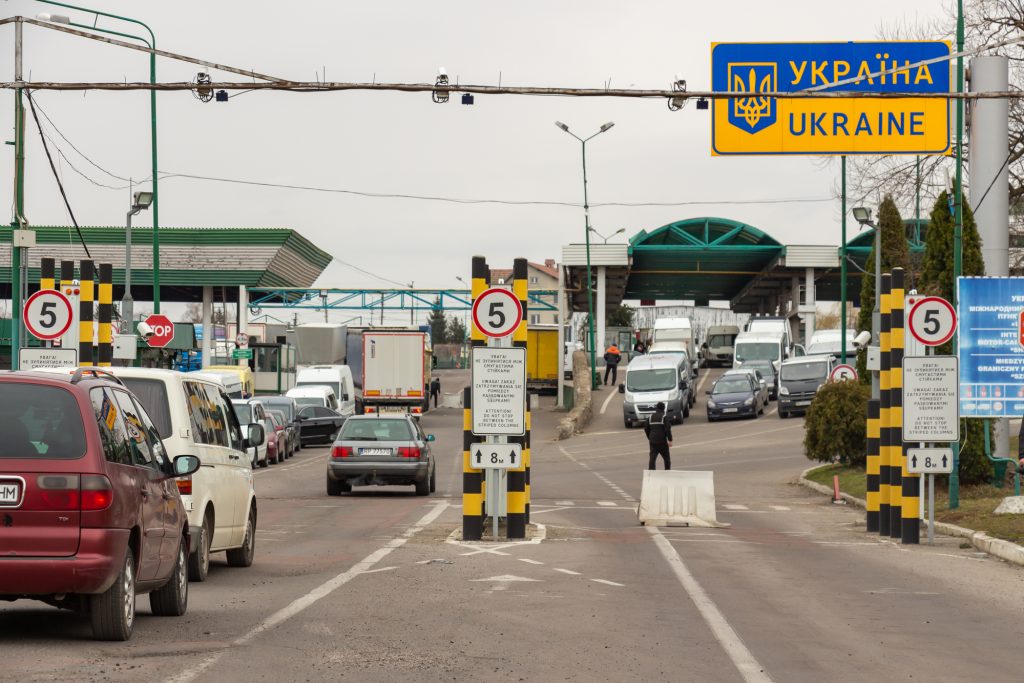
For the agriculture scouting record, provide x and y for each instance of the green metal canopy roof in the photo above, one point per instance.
(698, 258)
(860, 246)
(189, 257)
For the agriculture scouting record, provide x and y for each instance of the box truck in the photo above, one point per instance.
(396, 368)
(542, 359)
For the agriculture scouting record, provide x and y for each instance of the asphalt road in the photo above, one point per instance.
(373, 586)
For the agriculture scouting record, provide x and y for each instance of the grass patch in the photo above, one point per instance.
(976, 502)
(852, 480)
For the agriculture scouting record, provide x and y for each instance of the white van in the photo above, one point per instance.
(758, 346)
(830, 342)
(194, 416)
(337, 377)
(314, 395)
(674, 334)
(773, 325)
(229, 381)
(719, 342)
(657, 377)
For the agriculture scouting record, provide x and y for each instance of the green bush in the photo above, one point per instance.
(836, 424)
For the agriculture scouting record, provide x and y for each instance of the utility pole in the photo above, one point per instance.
(18, 223)
(958, 225)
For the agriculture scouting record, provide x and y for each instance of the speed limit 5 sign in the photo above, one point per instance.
(48, 314)
(932, 320)
(497, 312)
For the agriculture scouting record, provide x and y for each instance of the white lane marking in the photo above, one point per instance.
(780, 508)
(700, 384)
(529, 561)
(506, 578)
(292, 466)
(773, 410)
(315, 595)
(743, 659)
(734, 506)
(608, 583)
(608, 503)
(492, 551)
(604, 406)
(567, 571)
(565, 502)
(382, 569)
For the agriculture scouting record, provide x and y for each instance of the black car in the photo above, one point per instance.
(734, 396)
(288, 406)
(319, 424)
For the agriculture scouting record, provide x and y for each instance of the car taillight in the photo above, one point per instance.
(97, 493)
(341, 452)
(277, 429)
(57, 492)
(184, 485)
(369, 411)
(417, 411)
(409, 452)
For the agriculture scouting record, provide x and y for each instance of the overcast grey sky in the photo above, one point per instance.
(503, 147)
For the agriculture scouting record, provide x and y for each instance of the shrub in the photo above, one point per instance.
(836, 424)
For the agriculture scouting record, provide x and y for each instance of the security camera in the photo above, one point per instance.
(145, 331)
(862, 340)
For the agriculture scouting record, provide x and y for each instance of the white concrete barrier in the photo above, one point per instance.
(678, 497)
(451, 400)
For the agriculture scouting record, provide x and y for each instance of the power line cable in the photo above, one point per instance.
(1006, 162)
(80, 152)
(56, 177)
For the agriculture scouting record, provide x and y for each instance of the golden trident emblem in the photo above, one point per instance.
(753, 108)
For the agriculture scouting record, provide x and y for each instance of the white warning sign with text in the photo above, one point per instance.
(930, 399)
(499, 391)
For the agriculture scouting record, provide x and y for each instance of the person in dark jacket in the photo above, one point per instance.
(612, 356)
(435, 389)
(659, 435)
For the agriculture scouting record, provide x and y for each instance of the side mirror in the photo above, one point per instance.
(257, 435)
(184, 465)
(431, 437)
(344, 397)
(708, 392)
(622, 387)
(300, 418)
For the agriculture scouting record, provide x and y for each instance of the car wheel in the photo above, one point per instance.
(334, 487)
(113, 612)
(686, 409)
(242, 557)
(782, 415)
(266, 463)
(423, 487)
(199, 561)
(433, 480)
(627, 423)
(171, 599)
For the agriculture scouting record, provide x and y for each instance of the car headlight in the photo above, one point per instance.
(711, 404)
(749, 401)
(784, 391)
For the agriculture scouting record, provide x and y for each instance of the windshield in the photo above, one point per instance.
(375, 430)
(803, 371)
(717, 340)
(732, 385)
(651, 380)
(39, 422)
(309, 400)
(285, 405)
(334, 386)
(757, 351)
(243, 412)
(152, 394)
(830, 347)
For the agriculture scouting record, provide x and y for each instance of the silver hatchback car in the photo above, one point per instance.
(381, 450)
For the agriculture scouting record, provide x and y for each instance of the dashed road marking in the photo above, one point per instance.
(567, 571)
(529, 561)
(734, 506)
(565, 502)
(780, 508)
(608, 583)
(607, 503)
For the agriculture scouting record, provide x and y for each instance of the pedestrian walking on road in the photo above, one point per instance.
(659, 435)
(435, 389)
(612, 356)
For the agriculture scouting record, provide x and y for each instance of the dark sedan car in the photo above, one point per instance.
(734, 396)
(319, 424)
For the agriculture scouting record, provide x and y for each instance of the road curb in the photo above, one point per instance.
(997, 547)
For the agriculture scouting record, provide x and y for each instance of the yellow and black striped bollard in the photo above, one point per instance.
(873, 462)
(895, 403)
(86, 272)
(885, 419)
(105, 316)
(46, 273)
(472, 479)
(516, 496)
(910, 484)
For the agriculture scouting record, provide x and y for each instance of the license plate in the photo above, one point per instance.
(803, 403)
(10, 492)
(374, 451)
(729, 410)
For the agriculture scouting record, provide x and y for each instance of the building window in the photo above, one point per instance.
(534, 279)
(535, 319)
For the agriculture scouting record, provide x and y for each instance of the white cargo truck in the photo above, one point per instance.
(396, 371)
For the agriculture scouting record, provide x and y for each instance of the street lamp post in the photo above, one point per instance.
(586, 220)
(617, 232)
(863, 216)
(141, 201)
(151, 43)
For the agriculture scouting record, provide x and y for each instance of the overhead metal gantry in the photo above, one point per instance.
(381, 299)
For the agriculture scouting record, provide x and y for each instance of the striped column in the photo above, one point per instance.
(67, 275)
(895, 404)
(472, 479)
(105, 315)
(47, 278)
(885, 418)
(873, 462)
(910, 484)
(86, 271)
(516, 496)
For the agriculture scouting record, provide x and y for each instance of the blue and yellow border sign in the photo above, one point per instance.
(755, 124)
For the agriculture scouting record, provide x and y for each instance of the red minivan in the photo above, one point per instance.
(90, 514)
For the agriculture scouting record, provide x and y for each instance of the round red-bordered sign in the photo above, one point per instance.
(842, 373)
(48, 314)
(497, 312)
(932, 321)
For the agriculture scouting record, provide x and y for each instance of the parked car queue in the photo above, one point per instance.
(79, 447)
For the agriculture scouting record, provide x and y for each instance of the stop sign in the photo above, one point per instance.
(163, 330)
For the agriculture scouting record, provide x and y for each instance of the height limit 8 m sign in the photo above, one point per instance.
(757, 124)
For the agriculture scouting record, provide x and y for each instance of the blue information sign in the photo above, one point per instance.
(764, 125)
(991, 355)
